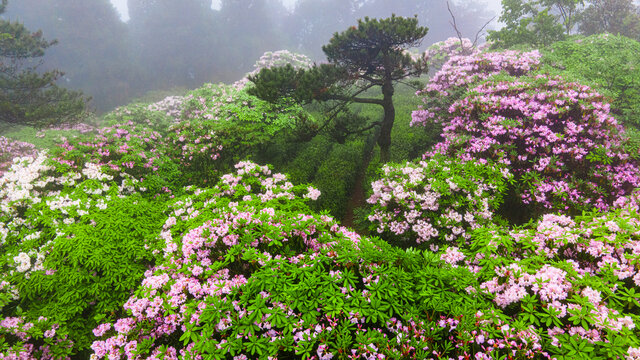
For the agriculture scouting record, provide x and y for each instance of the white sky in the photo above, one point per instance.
(121, 6)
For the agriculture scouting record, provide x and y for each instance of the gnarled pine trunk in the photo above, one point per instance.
(384, 139)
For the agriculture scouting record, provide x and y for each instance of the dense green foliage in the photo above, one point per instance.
(220, 121)
(73, 246)
(610, 62)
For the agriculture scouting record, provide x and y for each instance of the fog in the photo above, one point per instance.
(119, 50)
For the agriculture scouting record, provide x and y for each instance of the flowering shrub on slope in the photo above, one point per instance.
(11, 149)
(222, 125)
(72, 245)
(557, 138)
(222, 235)
(438, 54)
(130, 153)
(437, 200)
(171, 106)
(155, 117)
(574, 280)
(246, 271)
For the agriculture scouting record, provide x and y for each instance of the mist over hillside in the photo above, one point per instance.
(168, 44)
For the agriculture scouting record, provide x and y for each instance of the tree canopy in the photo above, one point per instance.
(535, 22)
(612, 16)
(543, 22)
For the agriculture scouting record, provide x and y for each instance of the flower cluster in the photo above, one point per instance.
(271, 59)
(462, 71)
(439, 53)
(11, 149)
(50, 345)
(81, 128)
(23, 183)
(170, 106)
(557, 138)
(128, 153)
(437, 200)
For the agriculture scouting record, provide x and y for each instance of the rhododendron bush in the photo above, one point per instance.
(576, 280)
(245, 270)
(436, 201)
(439, 53)
(222, 125)
(73, 245)
(128, 152)
(272, 59)
(10, 149)
(557, 138)
(157, 116)
(452, 81)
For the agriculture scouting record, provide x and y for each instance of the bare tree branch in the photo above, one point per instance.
(475, 40)
(455, 27)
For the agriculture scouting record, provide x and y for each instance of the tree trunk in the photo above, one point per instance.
(384, 139)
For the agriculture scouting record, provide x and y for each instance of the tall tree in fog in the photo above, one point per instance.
(92, 45)
(313, 22)
(249, 28)
(612, 16)
(175, 42)
(29, 96)
(536, 22)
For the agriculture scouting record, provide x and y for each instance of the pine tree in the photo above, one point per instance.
(370, 55)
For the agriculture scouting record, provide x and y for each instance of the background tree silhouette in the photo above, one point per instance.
(29, 97)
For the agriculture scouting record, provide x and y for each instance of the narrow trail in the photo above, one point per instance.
(357, 196)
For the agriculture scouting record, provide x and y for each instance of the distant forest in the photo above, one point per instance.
(169, 44)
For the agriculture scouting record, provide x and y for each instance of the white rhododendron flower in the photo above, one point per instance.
(23, 262)
(93, 171)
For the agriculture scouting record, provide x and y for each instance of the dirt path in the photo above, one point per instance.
(357, 196)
